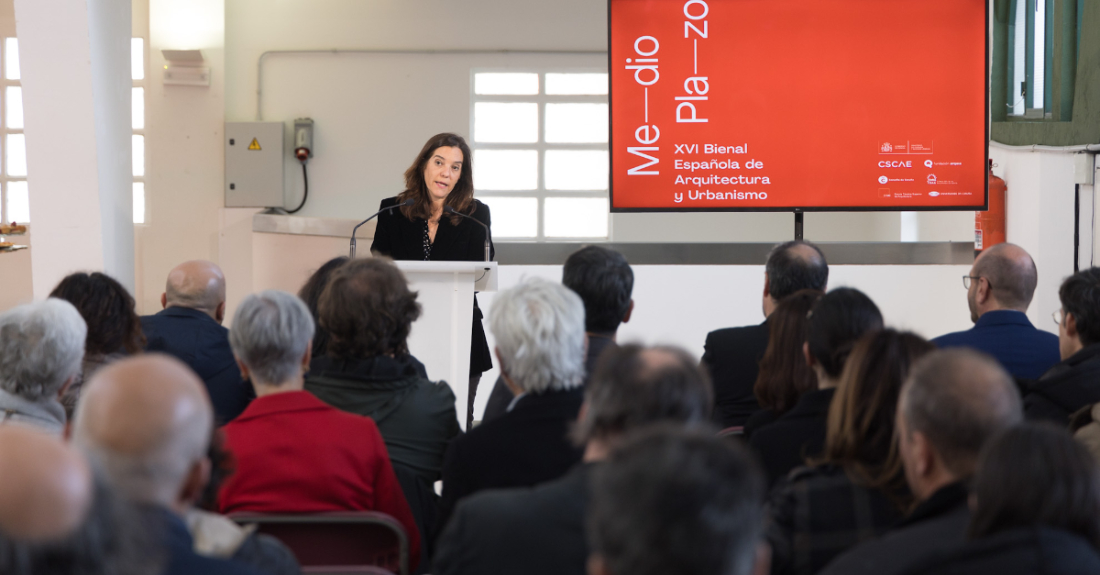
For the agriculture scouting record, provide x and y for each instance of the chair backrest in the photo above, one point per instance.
(339, 542)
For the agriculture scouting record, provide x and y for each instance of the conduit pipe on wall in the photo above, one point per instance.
(260, 62)
(1037, 148)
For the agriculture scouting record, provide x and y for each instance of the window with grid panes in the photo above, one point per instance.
(137, 101)
(15, 204)
(539, 142)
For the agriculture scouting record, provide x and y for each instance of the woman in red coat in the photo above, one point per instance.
(294, 453)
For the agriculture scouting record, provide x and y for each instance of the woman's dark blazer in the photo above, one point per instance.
(401, 239)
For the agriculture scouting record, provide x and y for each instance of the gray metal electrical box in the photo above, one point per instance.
(253, 164)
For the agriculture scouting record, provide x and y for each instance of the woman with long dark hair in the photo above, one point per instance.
(442, 176)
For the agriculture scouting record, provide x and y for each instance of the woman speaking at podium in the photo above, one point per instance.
(441, 176)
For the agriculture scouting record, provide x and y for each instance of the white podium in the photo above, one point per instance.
(441, 337)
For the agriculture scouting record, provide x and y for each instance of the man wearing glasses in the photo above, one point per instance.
(1073, 383)
(999, 288)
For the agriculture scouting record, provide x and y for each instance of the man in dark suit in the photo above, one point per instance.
(1000, 286)
(539, 331)
(145, 423)
(190, 328)
(1074, 382)
(605, 281)
(541, 529)
(953, 402)
(733, 354)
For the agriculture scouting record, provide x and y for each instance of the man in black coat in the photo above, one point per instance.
(190, 328)
(540, 347)
(1075, 382)
(541, 529)
(953, 402)
(605, 281)
(733, 354)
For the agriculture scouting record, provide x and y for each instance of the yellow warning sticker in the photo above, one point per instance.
(255, 145)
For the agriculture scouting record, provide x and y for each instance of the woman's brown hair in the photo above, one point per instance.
(367, 309)
(784, 375)
(461, 197)
(860, 431)
(107, 308)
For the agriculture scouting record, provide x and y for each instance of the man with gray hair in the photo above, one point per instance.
(999, 288)
(41, 348)
(190, 329)
(145, 424)
(953, 402)
(541, 529)
(540, 348)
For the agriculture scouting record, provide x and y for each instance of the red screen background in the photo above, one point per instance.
(826, 99)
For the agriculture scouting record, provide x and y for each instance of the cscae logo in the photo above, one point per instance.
(883, 179)
(933, 194)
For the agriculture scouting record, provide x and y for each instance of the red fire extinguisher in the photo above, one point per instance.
(989, 226)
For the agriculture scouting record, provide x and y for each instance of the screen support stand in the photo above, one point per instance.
(798, 224)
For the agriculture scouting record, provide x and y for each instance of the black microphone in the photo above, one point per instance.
(451, 210)
(408, 202)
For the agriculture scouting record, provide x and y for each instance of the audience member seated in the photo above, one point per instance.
(677, 502)
(114, 328)
(145, 423)
(1074, 383)
(856, 489)
(190, 328)
(219, 536)
(1036, 498)
(1085, 425)
(784, 375)
(836, 322)
(55, 519)
(368, 310)
(541, 529)
(294, 453)
(540, 348)
(41, 347)
(999, 290)
(605, 282)
(311, 294)
(733, 354)
(953, 402)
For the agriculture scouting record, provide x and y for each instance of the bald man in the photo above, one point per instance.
(145, 422)
(53, 519)
(1000, 286)
(733, 354)
(190, 328)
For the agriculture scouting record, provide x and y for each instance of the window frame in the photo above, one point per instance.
(143, 84)
(540, 193)
(5, 130)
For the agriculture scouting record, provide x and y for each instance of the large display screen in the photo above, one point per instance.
(798, 104)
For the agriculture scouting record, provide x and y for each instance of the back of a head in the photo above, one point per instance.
(47, 486)
(1011, 272)
(605, 281)
(367, 309)
(634, 386)
(41, 347)
(794, 266)
(1080, 296)
(784, 375)
(196, 284)
(145, 422)
(271, 332)
(836, 322)
(959, 398)
(315, 285)
(1032, 475)
(860, 431)
(539, 330)
(674, 501)
(107, 309)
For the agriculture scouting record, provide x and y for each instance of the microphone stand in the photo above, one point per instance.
(488, 249)
(351, 254)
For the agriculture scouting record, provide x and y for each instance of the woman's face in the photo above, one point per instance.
(442, 171)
